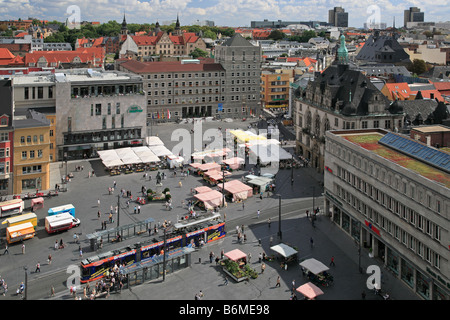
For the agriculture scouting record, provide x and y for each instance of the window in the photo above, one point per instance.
(22, 139)
(40, 92)
(26, 93)
(50, 92)
(98, 109)
(31, 154)
(376, 124)
(24, 155)
(28, 139)
(69, 124)
(41, 138)
(35, 138)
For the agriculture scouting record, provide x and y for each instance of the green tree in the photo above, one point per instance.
(209, 34)
(418, 66)
(276, 35)
(198, 53)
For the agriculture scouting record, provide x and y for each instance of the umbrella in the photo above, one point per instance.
(310, 290)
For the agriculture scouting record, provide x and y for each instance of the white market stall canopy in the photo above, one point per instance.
(314, 266)
(284, 250)
(160, 151)
(127, 156)
(269, 153)
(154, 141)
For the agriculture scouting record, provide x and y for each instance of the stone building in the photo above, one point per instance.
(391, 194)
(242, 63)
(339, 98)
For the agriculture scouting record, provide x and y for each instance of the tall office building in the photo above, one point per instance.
(338, 17)
(413, 15)
(242, 63)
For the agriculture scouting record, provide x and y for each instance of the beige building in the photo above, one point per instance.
(31, 166)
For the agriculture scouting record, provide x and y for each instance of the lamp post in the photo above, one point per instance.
(279, 218)
(26, 282)
(223, 187)
(292, 170)
(118, 209)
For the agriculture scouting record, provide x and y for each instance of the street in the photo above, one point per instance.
(85, 192)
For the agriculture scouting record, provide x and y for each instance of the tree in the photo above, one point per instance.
(276, 35)
(199, 53)
(418, 66)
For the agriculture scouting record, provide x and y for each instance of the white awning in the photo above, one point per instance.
(284, 250)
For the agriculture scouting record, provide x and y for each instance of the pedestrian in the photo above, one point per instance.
(49, 259)
(260, 257)
(263, 267)
(23, 248)
(332, 261)
(6, 249)
(249, 257)
(38, 267)
(258, 212)
(135, 209)
(293, 285)
(81, 252)
(268, 222)
(311, 241)
(307, 213)
(278, 282)
(56, 244)
(52, 292)
(243, 205)
(98, 202)
(226, 281)
(270, 240)
(139, 209)
(211, 256)
(98, 214)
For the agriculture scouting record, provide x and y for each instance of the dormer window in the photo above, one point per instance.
(4, 120)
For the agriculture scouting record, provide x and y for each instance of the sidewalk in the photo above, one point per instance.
(329, 241)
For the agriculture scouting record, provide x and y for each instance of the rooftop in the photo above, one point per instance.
(369, 140)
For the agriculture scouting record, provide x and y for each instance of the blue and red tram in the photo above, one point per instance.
(184, 234)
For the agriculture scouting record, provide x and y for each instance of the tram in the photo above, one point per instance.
(188, 233)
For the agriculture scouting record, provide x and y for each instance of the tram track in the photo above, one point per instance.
(39, 287)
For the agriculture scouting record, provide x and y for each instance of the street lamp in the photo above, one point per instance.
(279, 218)
(26, 282)
(118, 210)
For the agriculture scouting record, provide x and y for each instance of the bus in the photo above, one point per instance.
(60, 222)
(184, 234)
(20, 232)
(26, 217)
(11, 207)
(61, 209)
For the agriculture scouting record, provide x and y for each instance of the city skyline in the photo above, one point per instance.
(231, 13)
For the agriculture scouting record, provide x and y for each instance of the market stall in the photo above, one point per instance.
(209, 200)
(37, 203)
(234, 163)
(213, 177)
(260, 184)
(174, 161)
(317, 272)
(309, 290)
(208, 166)
(287, 253)
(236, 190)
(202, 189)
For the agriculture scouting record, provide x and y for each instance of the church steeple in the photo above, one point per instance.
(177, 24)
(124, 29)
(342, 52)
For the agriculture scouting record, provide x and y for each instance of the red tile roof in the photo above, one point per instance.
(86, 55)
(5, 54)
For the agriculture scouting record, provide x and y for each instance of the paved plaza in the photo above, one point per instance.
(84, 193)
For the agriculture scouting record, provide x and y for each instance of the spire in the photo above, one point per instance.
(342, 52)
(177, 24)
(124, 29)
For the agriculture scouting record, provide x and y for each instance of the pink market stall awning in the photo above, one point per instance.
(211, 199)
(203, 189)
(239, 190)
(310, 290)
(235, 255)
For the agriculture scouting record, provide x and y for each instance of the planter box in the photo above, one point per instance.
(233, 277)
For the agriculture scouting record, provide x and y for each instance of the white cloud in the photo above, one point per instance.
(223, 12)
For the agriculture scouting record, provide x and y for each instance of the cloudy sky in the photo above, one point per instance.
(233, 13)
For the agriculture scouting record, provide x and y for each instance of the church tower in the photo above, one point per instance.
(177, 30)
(124, 29)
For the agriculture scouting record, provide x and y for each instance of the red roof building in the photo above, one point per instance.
(85, 57)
